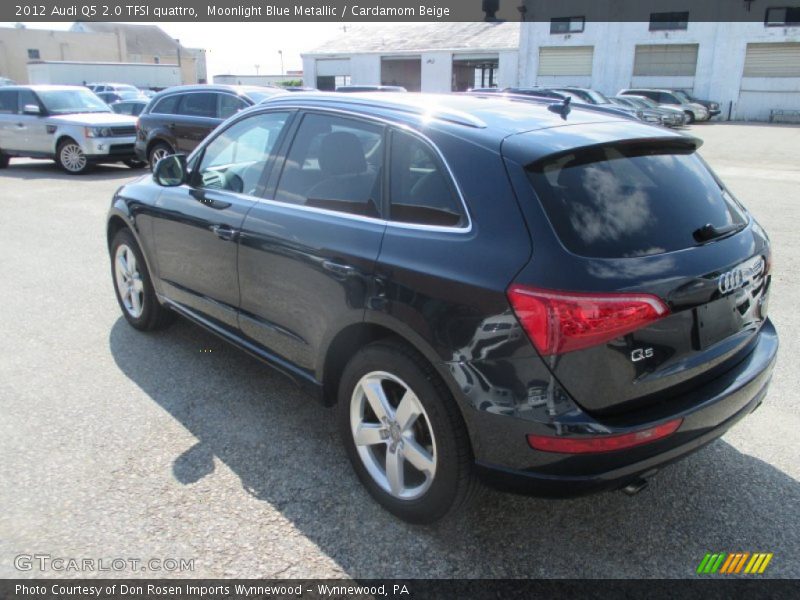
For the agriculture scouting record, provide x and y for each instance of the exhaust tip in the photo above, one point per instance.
(635, 486)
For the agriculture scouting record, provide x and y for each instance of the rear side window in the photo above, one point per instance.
(200, 104)
(334, 163)
(632, 200)
(8, 102)
(420, 189)
(166, 106)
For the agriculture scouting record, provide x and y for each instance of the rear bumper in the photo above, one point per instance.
(724, 402)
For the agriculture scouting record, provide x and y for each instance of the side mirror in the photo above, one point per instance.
(170, 171)
(31, 109)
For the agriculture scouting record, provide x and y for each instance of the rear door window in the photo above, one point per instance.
(633, 200)
(334, 163)
(8, 102)
(167, 106)
(199, 104)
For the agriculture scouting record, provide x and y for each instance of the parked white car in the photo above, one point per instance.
(69, 124)
(668, 98)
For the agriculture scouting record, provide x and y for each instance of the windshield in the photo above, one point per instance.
(65, 102)
(683, 96)
(650, 103)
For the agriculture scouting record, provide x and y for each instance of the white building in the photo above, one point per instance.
(750, 68)
(428, 57)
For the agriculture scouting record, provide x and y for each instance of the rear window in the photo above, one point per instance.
(630, 200)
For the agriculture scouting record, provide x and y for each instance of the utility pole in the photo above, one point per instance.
(281, 53)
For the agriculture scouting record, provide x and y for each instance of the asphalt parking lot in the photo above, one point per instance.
(115, 443)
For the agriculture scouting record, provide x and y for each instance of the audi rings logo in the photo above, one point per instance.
(731, 281)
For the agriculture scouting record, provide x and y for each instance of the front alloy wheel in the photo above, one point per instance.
(71, 158)
(129, 281)
(393, 435)
(133, 286)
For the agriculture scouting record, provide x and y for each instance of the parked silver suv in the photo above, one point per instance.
(693, 110)
(69, 124)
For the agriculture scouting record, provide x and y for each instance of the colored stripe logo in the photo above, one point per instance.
(734, 563)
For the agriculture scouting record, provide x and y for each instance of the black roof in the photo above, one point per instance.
(486, 119)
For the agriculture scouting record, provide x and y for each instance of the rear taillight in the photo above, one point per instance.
(602, 443)
(558, 322)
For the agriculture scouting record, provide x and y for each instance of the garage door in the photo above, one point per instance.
(772, 60)
(665, 59)
(566, 60)
(332, 67)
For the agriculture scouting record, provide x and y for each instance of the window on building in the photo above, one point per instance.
(782, 17)
(334, 163)
(666, 21)
(567, 24)
(420, 188)
(342, 80)
(33, 54)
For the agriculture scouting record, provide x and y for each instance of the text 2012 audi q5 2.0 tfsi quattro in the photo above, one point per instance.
(552, 301)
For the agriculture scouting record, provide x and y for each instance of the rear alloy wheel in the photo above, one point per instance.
(404, 434)
(133, 286)
(71, 158)
(158, 152)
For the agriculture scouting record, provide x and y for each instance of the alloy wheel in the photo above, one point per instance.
(129, 281)
(157, 154)
(393, 435)
(73, 158)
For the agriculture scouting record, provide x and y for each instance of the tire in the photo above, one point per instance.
(134, 164)
(423, 495)
(4, 160)
(690, 117)
(158, 151)
(134, 288)
(71, 158)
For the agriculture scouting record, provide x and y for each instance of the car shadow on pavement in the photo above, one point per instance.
(284, 448)
(47, 169)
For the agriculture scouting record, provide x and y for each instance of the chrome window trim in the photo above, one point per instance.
(396, 224)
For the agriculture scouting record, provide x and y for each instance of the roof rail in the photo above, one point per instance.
(413, 106)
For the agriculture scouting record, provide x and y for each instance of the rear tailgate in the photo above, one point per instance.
(635, 214)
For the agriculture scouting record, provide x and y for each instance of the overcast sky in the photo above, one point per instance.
(238, 47)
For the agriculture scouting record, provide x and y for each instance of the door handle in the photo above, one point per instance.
(338, 268)
(225, 232)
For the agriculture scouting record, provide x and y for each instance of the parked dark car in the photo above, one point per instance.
(130, 107)
(370, 88)
(179, 118)
(582, 308)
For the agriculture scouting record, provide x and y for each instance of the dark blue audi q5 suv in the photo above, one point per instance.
(552, 299)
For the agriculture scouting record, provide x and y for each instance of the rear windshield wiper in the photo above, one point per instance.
(709, 232)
